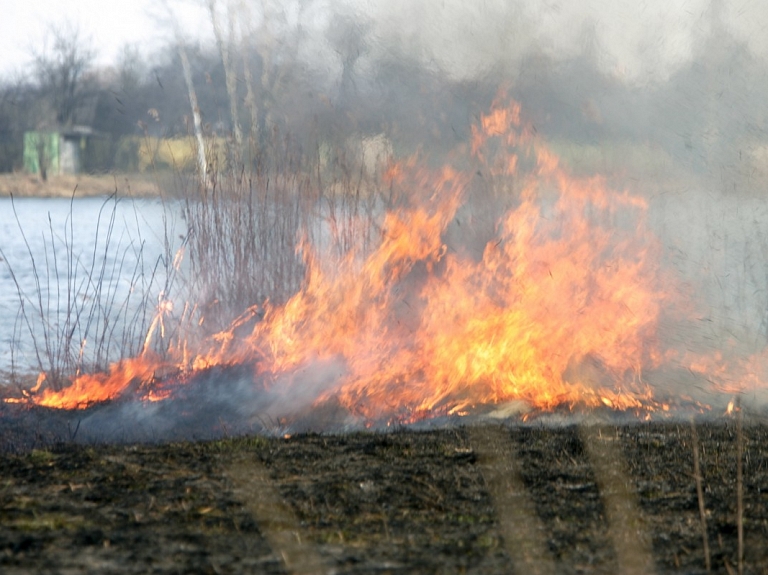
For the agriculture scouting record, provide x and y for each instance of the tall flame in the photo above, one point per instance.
(561, 306)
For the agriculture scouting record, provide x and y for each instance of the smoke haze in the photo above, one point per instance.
(666, 101)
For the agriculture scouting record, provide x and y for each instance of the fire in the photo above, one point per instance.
(563, 299)
(560, 307)
(92, 388)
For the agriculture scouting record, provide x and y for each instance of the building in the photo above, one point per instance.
(55, 152)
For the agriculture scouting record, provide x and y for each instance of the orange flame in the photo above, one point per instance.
(555, 290)
(92, 388)
(561, 307)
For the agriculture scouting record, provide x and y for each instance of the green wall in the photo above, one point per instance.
(41, 146)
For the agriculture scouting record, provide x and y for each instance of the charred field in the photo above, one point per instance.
(535, 497)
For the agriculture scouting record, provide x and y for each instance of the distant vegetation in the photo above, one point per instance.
(263, 82)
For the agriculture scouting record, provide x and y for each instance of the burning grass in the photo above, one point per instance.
(497, 277)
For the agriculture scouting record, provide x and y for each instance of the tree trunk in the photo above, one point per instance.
(202, 165)
(250, 99)
(230, 78)
(197, 122)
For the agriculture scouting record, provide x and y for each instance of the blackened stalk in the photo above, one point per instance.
(700, 495)
(740, 484)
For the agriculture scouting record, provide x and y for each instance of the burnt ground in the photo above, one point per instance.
(484, 499)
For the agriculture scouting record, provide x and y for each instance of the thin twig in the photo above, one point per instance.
(61, 312)
(700, 495)
(740, 484)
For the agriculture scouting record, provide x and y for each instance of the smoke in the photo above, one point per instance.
(666, 98)
(216, 403)
(639, 41)
(663, 100)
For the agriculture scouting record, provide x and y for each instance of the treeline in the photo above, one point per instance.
(285, 83)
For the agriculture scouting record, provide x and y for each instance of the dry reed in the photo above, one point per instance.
(74, 316)
(700, 496)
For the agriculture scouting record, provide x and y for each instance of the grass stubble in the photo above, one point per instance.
(740, 484)
(700, 497)
(485, 499)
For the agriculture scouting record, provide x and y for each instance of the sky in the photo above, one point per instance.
(108, 24)
(637, 38)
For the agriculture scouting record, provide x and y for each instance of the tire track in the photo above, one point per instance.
(523, 532)
(254, 487)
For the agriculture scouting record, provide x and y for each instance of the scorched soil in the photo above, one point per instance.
(404, 501)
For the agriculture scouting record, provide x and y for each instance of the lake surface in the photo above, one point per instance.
(716, 244)
(50, 243)
(97, 256)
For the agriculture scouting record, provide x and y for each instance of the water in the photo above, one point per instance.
(74, 254)
(107, 263)
(716, 245)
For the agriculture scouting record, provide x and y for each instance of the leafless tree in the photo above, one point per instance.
(272, 32)
(60, 68)
(224, 44)
(348, 36)
(197, 122)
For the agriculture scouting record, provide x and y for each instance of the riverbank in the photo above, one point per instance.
(81, 185)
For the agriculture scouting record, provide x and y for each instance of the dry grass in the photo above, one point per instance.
(82, 185)
(76, 317)
(441, 501)
(245, 228)
(240, 250)
(740, 485)
(700, 497)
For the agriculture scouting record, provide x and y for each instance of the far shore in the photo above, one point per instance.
(80, 185)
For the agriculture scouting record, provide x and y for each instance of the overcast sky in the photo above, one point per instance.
(637, 38)
(109, 24)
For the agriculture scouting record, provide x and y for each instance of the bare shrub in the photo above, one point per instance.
(76, 318)
(245, 229)
(242, 246)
